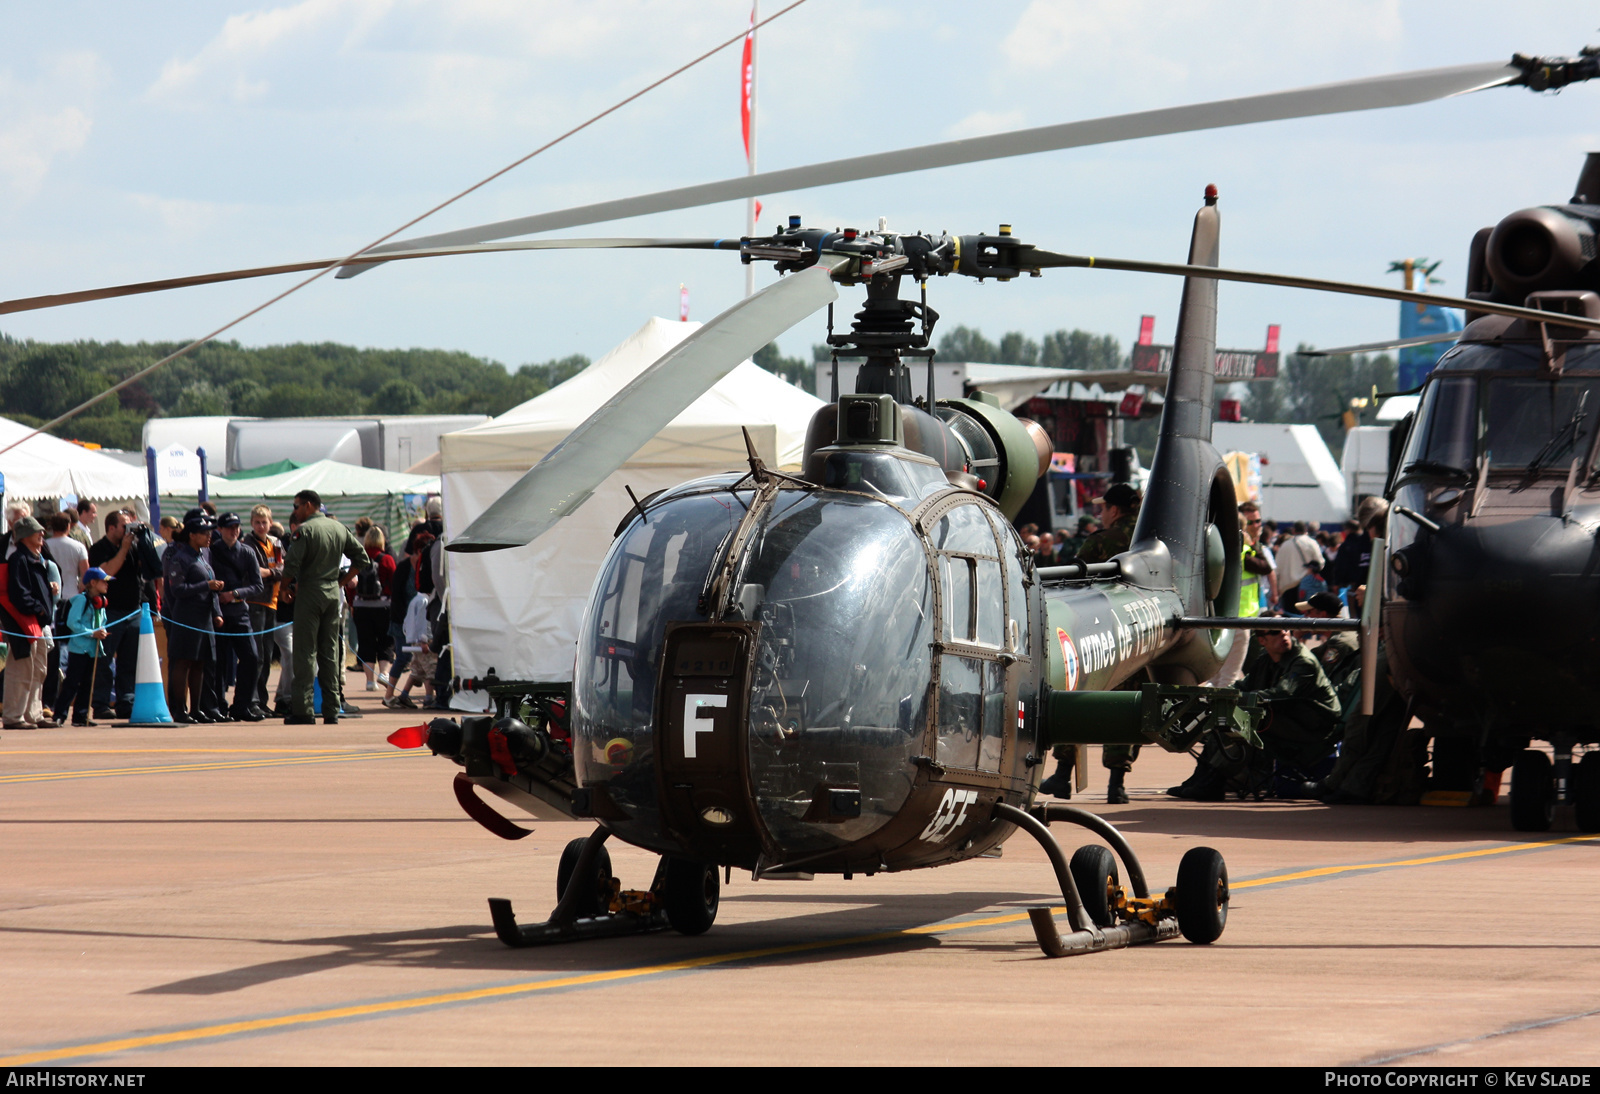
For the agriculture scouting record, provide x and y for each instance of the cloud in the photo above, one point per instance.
(177, 215)
(246, 40)
(45, 119)
(414, 58)
(1201, 42)
(983, 122)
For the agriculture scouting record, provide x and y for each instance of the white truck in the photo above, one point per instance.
(1299, 480)
(1365, 460)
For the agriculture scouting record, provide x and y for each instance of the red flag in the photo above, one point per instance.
(747, 92)
(683, 303)
(747, 70)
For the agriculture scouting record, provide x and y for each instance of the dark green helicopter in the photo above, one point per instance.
(857, 668)
(1492, 596)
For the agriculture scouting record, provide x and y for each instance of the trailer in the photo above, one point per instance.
(1299, 478)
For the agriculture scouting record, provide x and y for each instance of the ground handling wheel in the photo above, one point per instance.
(1533, 792)
(690, 893)
(1586, 792)
(1201, 895)
(1094, 871)
(595, 899)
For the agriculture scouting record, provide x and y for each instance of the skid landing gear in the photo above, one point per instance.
(1102, 914)
(592, 904)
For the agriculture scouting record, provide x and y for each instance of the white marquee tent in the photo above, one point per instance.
(48, 467)
(518, 611)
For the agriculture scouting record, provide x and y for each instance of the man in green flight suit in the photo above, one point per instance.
(314, 559)
(1119, 512)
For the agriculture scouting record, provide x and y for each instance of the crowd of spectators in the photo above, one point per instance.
(1314, 740)
(70, 604)
(1051, 548)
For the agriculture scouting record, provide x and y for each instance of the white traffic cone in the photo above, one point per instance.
(149, 696)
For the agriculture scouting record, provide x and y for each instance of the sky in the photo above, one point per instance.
(145, 140)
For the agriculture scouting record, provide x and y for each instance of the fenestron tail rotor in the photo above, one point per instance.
(566, 477)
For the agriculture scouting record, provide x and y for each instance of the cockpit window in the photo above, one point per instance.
(655, 572)
(839, 585)
(970, 577)
(1540, 423)
(1445, 437)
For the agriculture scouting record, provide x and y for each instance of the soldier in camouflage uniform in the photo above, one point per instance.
(1302, 711)
(1119, 513)
(1340, 655)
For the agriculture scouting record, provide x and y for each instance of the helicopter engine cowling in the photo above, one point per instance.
(1007, 455)
(1544, 248)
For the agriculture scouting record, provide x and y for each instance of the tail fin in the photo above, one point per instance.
(1189, 507)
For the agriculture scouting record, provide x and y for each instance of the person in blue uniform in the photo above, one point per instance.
(238, 567)
(192, 612)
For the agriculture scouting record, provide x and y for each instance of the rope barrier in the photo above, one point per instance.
(63, 636)
(70, 634)
(230, 634)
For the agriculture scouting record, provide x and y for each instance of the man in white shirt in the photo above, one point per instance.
(70, 556)
(1293, 556)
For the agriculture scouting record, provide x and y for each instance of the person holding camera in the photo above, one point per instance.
(126, 552)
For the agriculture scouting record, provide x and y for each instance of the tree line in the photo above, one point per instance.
(40, 380)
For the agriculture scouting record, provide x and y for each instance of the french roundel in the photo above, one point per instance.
(1069, 658)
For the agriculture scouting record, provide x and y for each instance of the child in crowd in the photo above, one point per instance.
(86, 626)
(417, 631)
(1312, 583)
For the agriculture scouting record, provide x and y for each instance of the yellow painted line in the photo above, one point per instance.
(530, 987)
(221, 765)
(361, 1010)
(1457, 856)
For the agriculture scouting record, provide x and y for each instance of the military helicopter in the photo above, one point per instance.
(857, 668)
(1496, 503)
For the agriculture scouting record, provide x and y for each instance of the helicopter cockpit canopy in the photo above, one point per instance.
(837, 586)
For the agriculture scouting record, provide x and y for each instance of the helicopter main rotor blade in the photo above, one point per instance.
(1374, 347)
(1401, 89)
(33, 303)
(1035, 258)
(604, 441)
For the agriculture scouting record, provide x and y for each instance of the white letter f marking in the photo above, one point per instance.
(694, 711)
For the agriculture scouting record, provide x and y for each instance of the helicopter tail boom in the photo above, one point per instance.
(1182, 541)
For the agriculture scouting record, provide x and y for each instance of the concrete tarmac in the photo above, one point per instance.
(262, 894)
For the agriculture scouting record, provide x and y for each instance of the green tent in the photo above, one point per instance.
(276, 468)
